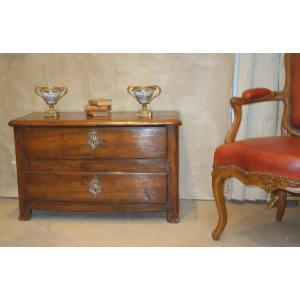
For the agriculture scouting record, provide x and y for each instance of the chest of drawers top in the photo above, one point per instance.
(160, 118)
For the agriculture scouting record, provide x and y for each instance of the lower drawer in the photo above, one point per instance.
(93, 187)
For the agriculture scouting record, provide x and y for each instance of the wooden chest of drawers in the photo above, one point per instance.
(118, 163)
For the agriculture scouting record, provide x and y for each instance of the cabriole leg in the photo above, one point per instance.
(218, 190)
(282, 195)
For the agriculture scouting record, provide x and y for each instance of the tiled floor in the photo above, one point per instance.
(249, 225)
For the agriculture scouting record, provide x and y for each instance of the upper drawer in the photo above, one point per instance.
(106, 142)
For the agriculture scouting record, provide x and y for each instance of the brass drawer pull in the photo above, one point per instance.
(95, 187)
(94, 139)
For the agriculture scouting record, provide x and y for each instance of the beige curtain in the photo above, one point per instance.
(261, 119)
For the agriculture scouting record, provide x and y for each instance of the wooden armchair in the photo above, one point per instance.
(272, 163)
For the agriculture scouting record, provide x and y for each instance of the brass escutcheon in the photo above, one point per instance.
(94, 139)
(95, 187)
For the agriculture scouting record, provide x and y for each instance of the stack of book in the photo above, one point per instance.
(98, 107)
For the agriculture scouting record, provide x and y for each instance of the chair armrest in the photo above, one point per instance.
(248, 97)
(256, 93)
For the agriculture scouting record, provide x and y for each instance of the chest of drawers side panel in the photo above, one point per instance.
(173, 172)
(24, 210)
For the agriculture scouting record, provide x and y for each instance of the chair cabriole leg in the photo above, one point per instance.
(282, 196)
(218, 190)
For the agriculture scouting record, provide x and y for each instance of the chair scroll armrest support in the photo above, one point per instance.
(249, 97)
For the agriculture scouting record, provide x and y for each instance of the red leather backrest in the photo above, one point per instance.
(295, 90)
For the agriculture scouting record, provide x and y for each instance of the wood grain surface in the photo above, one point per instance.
(135, 163)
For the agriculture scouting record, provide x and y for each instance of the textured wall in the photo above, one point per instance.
(197, 85)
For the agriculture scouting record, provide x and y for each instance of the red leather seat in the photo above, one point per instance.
(274, 155)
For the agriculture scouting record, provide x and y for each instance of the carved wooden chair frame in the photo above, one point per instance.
(277, 185)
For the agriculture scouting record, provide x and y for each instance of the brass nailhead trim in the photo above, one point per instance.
(275, 176)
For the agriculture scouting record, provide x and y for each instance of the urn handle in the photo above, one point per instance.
(95, 187)
(64, 91)
(158, 89)
(94, 139)
(129, 90)
(37, 91)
